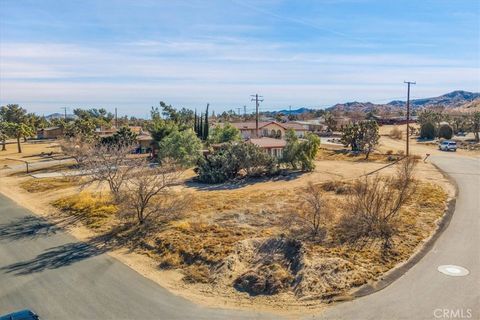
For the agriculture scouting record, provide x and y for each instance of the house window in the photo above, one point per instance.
(265, 132)
(279, 134)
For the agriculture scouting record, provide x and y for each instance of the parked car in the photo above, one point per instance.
(448, 145)
(20, 315)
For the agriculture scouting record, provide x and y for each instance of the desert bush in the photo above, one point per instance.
(77, 147)
(267, 279)
(427, 131)
(182, 146)
(146, 193)
(313, 213)
(111, 164)
(339, 187)
(396, 133)
(231, 160)
(445, 131)
(389, 152)
(375, 204)
(196, 273)
(300, 154)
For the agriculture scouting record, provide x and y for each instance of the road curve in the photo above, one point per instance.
(49, 271)
(423, 292)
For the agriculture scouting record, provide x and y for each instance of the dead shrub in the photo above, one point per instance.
(267, 279)
(197, 273)
(312, 215)
(396, 133)
(374, 207)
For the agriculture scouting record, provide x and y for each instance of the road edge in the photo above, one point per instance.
(399, 271)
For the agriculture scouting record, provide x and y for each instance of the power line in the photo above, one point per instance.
(257, 99)
(65, 111)
(408, 113)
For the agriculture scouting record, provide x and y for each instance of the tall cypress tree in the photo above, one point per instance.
(195, 128)
(200, 127)
(205, 130)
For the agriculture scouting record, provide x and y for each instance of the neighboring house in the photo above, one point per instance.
(270, 129)
(145, 143)
(399, 120)
(136, 129)
(314, 125)
(272, 146)
(50, 133)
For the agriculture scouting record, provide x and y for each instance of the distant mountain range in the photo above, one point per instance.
(453, 99)
(58, 115)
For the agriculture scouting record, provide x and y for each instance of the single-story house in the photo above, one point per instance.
(314, 125)
(145, 143)
(50, 133)
(272, 146)
(270, 129)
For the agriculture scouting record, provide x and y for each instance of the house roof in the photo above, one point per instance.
(144, 137)
(268, 142)
(49, 128)
(252, 125)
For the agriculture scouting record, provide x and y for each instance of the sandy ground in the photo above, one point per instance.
(31, 152)
(171, 279)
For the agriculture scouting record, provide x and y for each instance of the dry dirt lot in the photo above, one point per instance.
(32, 151)
(233, 233)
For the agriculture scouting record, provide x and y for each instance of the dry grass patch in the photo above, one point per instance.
(346, 155)
(94, 210)
(48, 184)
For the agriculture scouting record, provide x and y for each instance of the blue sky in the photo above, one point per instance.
(132, 54)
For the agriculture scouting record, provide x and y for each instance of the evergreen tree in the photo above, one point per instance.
(205, 130)
(195, 128)
(200, 127)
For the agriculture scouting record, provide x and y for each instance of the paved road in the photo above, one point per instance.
(47, 270)
(423, 292)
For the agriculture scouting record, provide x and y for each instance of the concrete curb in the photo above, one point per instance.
(399, 271)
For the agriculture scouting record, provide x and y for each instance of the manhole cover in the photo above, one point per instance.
(454, 271)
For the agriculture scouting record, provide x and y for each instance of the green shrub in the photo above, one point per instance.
(427, 131)
(227, 162)
(445, 131)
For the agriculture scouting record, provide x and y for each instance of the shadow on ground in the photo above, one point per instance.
(31, 227)
(242, 183)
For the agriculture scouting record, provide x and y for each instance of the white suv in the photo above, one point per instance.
(448, 145)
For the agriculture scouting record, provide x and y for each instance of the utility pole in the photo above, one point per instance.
(257, 99)
(238, 109)
(408, 114)
(65, 112)
(245, 111)
(116, 118)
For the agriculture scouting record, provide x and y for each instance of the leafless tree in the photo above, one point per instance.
(110, 163)
(313, 213)
(77, 148)
(147, 192)
(374, 206)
